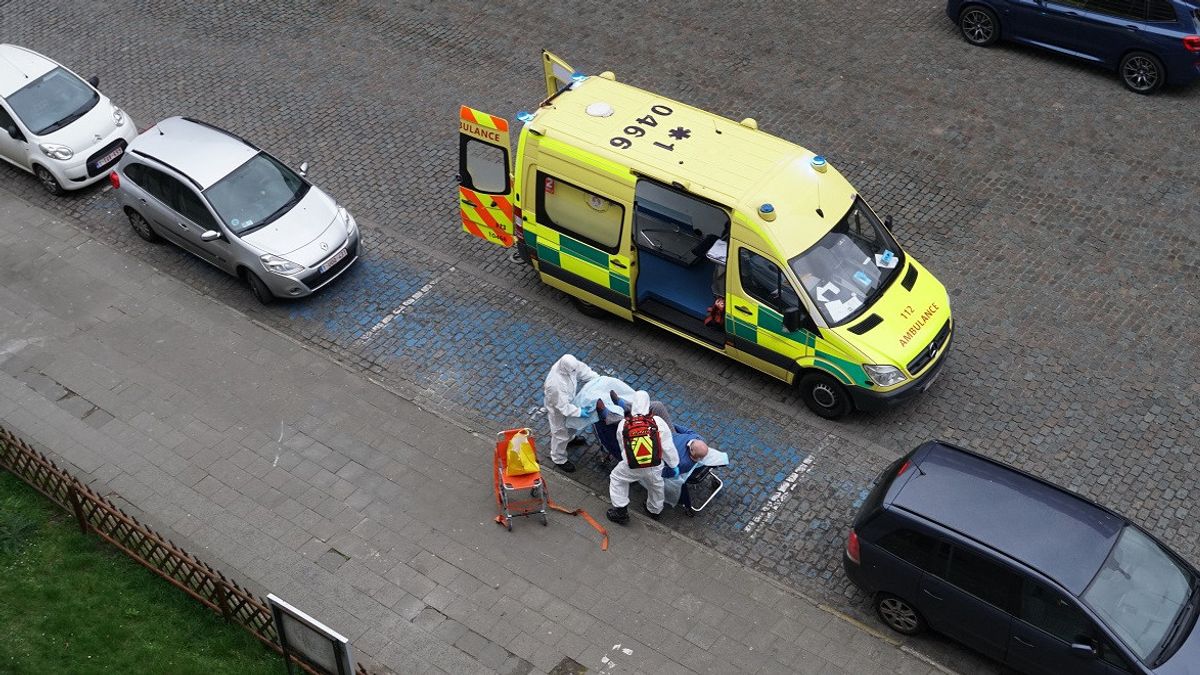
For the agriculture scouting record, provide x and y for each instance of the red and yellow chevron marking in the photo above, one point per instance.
(483, 126)
(479, 221)
(505, 207)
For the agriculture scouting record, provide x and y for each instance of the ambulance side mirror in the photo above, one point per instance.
(793, 319)
(94, 81)
(887, 222)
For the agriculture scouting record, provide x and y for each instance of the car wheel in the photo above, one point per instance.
(1142, 73)
(588, 309)
(979, 26)
(142, 227)
(259, 288)
(825, 396)
(899, 615)
(48, 181)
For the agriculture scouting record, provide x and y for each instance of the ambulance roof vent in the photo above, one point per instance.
(599, 109)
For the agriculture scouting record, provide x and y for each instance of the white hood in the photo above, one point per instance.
(88, 133)
(640, 403)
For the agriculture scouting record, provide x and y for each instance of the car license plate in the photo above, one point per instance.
(115, 153)
(333, 260)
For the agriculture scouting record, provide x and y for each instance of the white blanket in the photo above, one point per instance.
(597, 389)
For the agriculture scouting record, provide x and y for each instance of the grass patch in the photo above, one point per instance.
(70, 603)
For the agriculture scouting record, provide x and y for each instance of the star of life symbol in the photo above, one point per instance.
(679, 133)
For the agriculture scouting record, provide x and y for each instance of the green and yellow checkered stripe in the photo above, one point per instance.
(764, 327)
(577, 258)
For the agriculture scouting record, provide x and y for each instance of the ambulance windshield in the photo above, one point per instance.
(850, 266)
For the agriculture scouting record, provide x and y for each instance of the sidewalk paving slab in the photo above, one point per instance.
(372, 514)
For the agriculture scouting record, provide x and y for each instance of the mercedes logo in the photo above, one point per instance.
(324, 246)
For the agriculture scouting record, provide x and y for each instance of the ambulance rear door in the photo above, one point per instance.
(558, 73)
(485, 185)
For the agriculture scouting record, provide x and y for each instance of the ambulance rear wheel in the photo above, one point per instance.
(825, 396)
(588, 309)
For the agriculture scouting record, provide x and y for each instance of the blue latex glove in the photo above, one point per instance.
(670, 471)
(587, 410)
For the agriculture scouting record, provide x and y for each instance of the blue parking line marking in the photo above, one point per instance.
(475, 350)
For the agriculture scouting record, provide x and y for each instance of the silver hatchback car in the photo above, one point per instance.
(236, 207)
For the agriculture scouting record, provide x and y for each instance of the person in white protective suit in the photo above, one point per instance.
(562, 383)
(646, 445)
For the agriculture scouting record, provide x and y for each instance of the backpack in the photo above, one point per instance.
(643, 447)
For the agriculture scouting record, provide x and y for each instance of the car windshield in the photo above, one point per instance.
(849, 267)
(255, 193)
(1140, 592)
(53, 101)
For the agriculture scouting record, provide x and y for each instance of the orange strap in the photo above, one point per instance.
(501, 520)
(588, 517)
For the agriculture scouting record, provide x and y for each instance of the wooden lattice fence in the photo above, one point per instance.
(95, 513)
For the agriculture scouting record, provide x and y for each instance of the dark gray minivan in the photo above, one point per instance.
(1024, 571)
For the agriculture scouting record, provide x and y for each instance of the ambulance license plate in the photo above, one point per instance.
(930, 381)
(333, 260)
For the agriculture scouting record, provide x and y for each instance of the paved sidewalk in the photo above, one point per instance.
(373, 515)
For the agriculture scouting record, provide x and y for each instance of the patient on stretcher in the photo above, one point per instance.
(698, 451)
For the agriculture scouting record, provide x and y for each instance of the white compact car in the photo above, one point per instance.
(54, 124)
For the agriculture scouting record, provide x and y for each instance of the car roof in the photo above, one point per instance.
(19, 67)
(718, 159)
(200, 151)
(1048, 528)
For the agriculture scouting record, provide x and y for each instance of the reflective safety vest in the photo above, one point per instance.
(643, 447)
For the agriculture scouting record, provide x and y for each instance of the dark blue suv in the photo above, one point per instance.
(1148, 42)
(1024, 571)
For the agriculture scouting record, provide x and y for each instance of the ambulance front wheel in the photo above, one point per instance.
(825, 396)
(588, 309)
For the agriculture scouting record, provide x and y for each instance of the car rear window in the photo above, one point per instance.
(1161, 11)
(874, 501)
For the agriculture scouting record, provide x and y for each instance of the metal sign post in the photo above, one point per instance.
(318, 644)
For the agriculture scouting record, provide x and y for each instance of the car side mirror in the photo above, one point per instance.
(887, 222)
(15, 133)
(303, 168)
(1084, 650)
(793, 319)
(94, 81)
(210, 235)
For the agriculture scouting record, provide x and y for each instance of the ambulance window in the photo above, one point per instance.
(583, 215)
(486, 167)
(764, 281)
(676, 225)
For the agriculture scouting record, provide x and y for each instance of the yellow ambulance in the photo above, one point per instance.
(743, 243)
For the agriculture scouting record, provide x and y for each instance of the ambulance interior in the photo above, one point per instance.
(681, 247)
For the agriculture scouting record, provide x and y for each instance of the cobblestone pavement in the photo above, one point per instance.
(1056, 207)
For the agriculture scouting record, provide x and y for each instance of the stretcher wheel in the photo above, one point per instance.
(508, 524)
(689, 511)
(544, 521)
